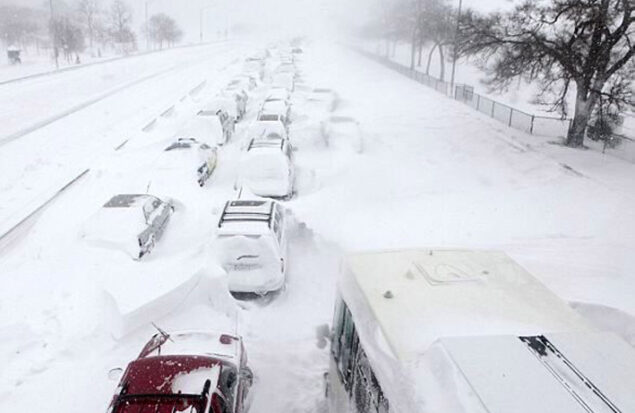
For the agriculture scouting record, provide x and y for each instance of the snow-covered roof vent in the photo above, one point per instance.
(444, 273)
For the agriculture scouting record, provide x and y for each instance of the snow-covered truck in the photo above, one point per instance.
(458, 331)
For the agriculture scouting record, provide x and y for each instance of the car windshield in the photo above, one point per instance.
(269, 117)
(122, 201)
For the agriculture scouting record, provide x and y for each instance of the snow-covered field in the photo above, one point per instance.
(433, 173)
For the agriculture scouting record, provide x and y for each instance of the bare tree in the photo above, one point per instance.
(68, 37)
(89, 11)
(120, 24)
(437, 23)
(163, 29)
(19, 25)
(586, 43)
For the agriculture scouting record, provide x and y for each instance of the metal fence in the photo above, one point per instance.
(514, 118)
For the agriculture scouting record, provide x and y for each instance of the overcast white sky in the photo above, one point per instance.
(271, 17)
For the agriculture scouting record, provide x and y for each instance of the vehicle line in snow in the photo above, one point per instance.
(83, 105)
(41, 207)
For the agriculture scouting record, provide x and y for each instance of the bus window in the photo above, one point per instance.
(383, 404)
(348, 343)
(338, 327)
(361, 393)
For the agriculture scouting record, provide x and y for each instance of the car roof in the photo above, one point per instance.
(247, 211)
(163, 384)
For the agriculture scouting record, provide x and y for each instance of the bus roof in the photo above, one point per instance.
(472, 331)
(419, 296)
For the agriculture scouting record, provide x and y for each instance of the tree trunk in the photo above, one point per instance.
(584, 104)
(442, 59)
(430, 58)
(420, 52)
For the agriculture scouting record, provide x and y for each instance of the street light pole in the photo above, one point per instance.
(456, 43)
(146, 27)
(54, 30)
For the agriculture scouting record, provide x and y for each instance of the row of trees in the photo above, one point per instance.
(97, 23)
(580, 47)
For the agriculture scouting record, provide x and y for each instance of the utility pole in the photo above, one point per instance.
(456, 44)
(54, 36)
(146, 27)
(200, 24)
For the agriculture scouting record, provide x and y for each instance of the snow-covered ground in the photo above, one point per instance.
(520, 95)
(433, 173)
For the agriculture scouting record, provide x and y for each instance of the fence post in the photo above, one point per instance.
(511, 113)
(531, 128)
(493, 107)
(478, 101)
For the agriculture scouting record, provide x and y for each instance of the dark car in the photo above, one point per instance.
(193, 372)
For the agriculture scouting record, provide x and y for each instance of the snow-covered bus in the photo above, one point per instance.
(457, 331)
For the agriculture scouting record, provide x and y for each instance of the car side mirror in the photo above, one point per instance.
(115, 373)
(323, 335)
(247, 375)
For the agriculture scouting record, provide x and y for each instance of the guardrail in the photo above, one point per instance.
(512, 117)
(9, 231)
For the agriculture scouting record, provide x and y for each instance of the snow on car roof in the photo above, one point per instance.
(164, 375)
(247, 211)
(420, 296)
(275, 105)
(201, 343)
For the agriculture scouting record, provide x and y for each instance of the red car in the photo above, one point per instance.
(192, 372)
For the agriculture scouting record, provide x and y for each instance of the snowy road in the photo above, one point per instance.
(460, 180)
(35, 166)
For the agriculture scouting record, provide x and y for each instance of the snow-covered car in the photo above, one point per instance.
(252, 246)
(225, 104)
(323, 98)
(343, 132)
(190, 371)
(278, 93)
(246, 82)
(285, 80)
(240, 96)
(255, 67)
(267, 167)
(132, 223)
(219, 120)
(205, 156)
(267, 125)
(287, 67)
(276, 107)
